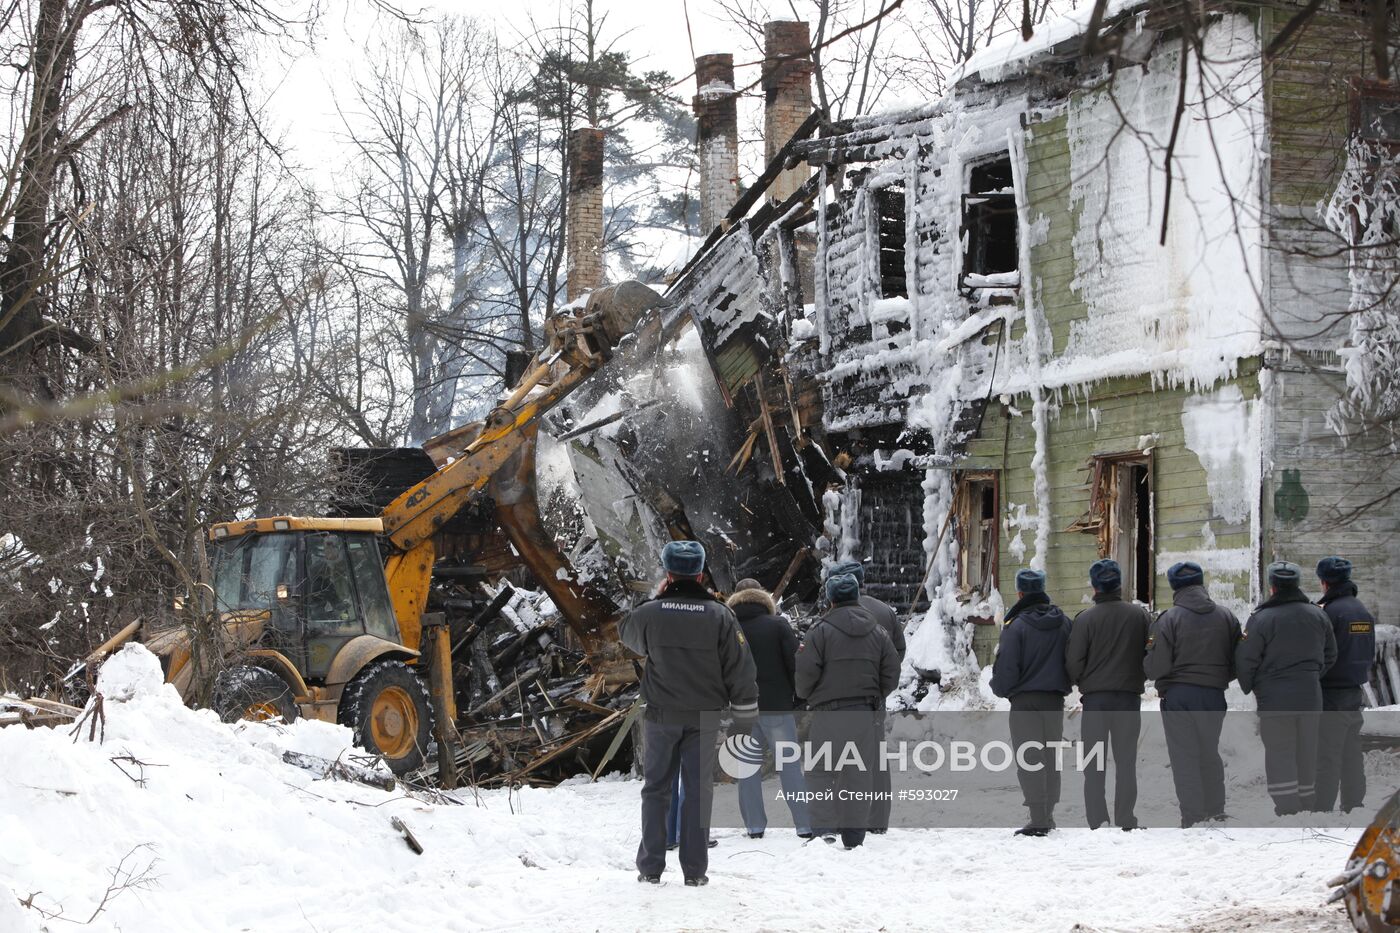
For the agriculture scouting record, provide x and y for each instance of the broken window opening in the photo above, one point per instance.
(1362, 8)
(891, 231)
(1120, 515)
(991, 257)
(1375, 112)
(975, 526)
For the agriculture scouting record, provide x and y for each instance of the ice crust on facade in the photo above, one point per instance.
(1110, 360)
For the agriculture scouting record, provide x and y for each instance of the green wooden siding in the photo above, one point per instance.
(1126, 410)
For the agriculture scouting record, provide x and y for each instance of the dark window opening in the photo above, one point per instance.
(889, 215)
(1120, 515)
(976, 524)
(1362, 8)
(990, 226)
(1375, 112)
(1135, 534)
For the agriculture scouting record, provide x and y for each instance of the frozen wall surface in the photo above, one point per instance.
(1139, 249)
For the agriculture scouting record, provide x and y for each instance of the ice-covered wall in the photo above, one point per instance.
(1184, 313)
(1189, 309)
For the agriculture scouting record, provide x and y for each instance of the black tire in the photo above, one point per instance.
(399, 698)
(247, 692)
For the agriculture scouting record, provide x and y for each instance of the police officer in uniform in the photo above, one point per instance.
(845, 669)
(1104, 659)
(1339, 737)
(1029, 670)
(1287, 644)
(697, 663)
(1191, 656)
(887, 619)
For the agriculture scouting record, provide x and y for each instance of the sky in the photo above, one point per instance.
(304, 91)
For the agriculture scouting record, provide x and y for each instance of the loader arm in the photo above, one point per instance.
(578, 344)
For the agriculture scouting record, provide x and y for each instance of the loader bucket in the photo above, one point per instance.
(1370, 883)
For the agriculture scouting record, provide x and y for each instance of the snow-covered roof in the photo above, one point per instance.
(1010, 53)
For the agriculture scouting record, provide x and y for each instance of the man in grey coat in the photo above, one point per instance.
(1104, 659)
(1191, 656)
(845, 669)
(698, 663)
(885, 616)
(1287, 644)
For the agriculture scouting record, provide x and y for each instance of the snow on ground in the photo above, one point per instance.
(236, 840)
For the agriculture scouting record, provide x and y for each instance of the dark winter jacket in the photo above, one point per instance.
(773, 644)
(697, 657)
(1031, 653)
(1354, 628)
(1192, 643)
(847, 657)
(1106, 644)
(888, 620)
(1287, 644)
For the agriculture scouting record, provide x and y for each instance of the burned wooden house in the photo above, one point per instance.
(1096, 301)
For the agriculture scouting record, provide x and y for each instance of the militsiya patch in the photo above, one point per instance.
(676, 606)
(1361, 628)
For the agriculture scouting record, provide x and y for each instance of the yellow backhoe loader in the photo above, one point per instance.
(326, 616)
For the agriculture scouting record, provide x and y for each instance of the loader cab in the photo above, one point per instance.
(320, 587)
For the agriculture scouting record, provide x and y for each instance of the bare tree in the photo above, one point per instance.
(177, 250)
(413, 126)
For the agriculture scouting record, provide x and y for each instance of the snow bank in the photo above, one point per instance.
(236, 840)
(231, 838)
(131, 673)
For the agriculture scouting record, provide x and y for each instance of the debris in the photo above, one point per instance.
(407, 834)
(342, 770)
(35, 711)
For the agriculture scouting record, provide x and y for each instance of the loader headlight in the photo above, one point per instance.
(221, 532)
(281, 524)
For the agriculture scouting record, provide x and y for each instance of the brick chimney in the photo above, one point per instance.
(717, 116)
(787, 95)
(585, 220)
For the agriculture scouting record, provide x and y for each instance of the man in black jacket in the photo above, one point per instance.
(1104, 658)
(1191, 656)
(773, 644)
(1029, 670)
(1287, 644)
(887, 619)
(1339, 757)
(697, 664)
(845, 669)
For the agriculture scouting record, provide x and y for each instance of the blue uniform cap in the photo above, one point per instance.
(1105, 575)
(1030, 581)
(842, 588)
(1334, 569)
(683, 558)
(854, 567)
(1185, 574)
(1284, 574)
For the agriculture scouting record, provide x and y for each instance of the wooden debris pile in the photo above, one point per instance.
(527, 709)
(35, 711)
